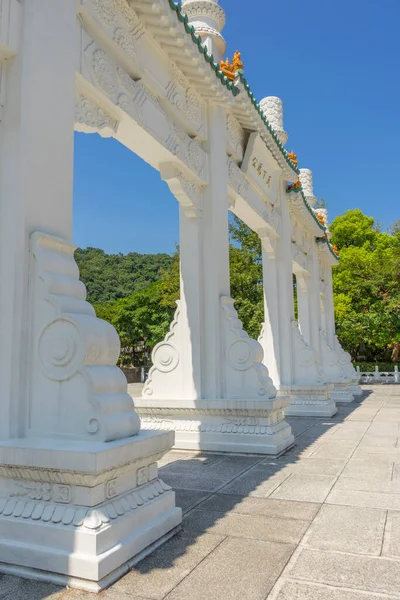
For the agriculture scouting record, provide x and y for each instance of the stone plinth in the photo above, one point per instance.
(82, 513)
(309, 401)
(238, 426)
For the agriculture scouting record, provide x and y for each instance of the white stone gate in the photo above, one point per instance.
(80, 496)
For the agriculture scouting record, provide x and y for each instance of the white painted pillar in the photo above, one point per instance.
(190, 304)
(215, 243)
(329, 308)
(270, 337)
(285, 292)
(303, 306)
(36, 175)
(308, 296)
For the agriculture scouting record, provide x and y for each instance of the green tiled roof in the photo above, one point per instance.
(230, 85)
(293, 190)
(324, 240)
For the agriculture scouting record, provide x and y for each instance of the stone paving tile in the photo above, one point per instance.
(296, 590)
(306, 488)
(364, 499)
(260, 527)
(377, 574)
(238, 569)
(391, 544)
(372, 484)
(163, 570)
(338, 450)
(285, 509)
(256, 482)
(15, 588)
(368, 468)
(389, 441)
(299, 424)
(318, 466)
(187, 499)
(391, 454)
(192, 475)
(347, 529)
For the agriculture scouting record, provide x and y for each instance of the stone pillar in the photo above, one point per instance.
(235, 408)
(79, 490)
(299, 372)
(270, 334)
(343, 357)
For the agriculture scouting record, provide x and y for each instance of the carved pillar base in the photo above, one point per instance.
(310, 401)
(310, 394)
(342, 393)
(237, 426)
(85, 511)
(355, 389)
(244, 418)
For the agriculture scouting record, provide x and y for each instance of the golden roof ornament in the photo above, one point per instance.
(293, 158)
(230, 70)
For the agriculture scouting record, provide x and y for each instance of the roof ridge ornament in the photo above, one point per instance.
(272, 107)
(208, 20)
(231, 70)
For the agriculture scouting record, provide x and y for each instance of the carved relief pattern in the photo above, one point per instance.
(90, 116)
(70, 478)
(76, 516)
(165, 356)
(237, 180)
(68, 345)
(204, 8)
(305, 357)
(185, 98)
(243, 354)
(236, 137)
(42, 491)
(272, 107)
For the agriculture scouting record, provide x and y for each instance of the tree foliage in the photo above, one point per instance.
(112, 276)
(138, 293)
(366, 287)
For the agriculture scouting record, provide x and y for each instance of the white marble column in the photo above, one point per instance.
(270, 335)
(80, 497)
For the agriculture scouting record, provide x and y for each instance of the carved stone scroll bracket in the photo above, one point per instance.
(347, 366)
(188, 194)
(165, 376)
(74, 387)
(92, 118)
(330, 360)
(306, 367)
(245, 376)
(269, 242)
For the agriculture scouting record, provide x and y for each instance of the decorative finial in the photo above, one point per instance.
(208, 20)
(272, 108)
(335, 249)
(306, 179)
(230, 70)
(237, 61)
(293, 158)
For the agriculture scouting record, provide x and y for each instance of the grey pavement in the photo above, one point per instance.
(321, 522)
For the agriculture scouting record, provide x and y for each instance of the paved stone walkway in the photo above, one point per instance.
(320, 523)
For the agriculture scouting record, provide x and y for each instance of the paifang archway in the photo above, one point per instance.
(76, 468)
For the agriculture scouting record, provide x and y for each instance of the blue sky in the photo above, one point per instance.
(336, 67)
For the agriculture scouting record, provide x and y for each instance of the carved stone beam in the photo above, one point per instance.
(300, 261)
(187, 193)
